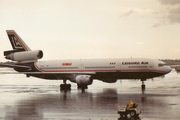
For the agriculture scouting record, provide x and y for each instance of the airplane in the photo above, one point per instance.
(80, 71)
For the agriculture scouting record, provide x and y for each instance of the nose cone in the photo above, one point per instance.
(168, 69)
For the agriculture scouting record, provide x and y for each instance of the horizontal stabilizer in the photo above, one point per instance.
(10, 73)
(14, 66)
(11, 51)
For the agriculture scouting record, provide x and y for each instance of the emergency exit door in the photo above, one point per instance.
(118, 67)
(81, 67)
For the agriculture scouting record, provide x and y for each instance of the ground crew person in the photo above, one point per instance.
(130, 105)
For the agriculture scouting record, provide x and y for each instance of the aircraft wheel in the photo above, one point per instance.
(143, 87)
(65, 86)
(69, 86)
(82, 87)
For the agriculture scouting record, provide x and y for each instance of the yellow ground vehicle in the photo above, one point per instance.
(133, 111)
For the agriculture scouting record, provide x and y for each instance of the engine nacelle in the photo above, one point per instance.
(84, 79)
(25, 55)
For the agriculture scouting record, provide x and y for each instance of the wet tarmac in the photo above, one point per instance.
(37, 99)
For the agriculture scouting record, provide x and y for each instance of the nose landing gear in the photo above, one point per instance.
(143, 86)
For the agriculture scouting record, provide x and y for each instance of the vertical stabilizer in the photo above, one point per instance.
(17, 43)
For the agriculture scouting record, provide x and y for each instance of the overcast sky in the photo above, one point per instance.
(74, 29)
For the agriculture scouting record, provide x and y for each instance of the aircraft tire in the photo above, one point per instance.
(82, 87)
(143, 87)
(65, 86)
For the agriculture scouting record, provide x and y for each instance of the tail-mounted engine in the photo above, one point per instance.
(24, 55)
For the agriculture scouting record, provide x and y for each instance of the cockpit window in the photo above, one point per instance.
(161, 65)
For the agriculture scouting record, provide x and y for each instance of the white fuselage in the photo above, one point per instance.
(125, 68)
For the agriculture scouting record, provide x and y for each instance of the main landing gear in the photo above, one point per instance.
(82, 87)
(143, 86)
(65, 86)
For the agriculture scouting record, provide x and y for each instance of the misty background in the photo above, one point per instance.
(83, 29)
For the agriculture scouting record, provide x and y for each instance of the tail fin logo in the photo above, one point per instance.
(16, 43)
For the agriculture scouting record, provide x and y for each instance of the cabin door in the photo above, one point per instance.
(118, 67)
(81, 67)
(151, 67)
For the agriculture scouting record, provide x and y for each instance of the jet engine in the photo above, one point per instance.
(84, 79)
(25, 55)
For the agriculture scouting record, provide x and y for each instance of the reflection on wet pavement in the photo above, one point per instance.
(37, 99)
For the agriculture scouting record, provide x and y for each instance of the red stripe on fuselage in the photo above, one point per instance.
(131, 70)
(160, 71)
(18, 39)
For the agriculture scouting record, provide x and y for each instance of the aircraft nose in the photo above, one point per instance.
(168, 69)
